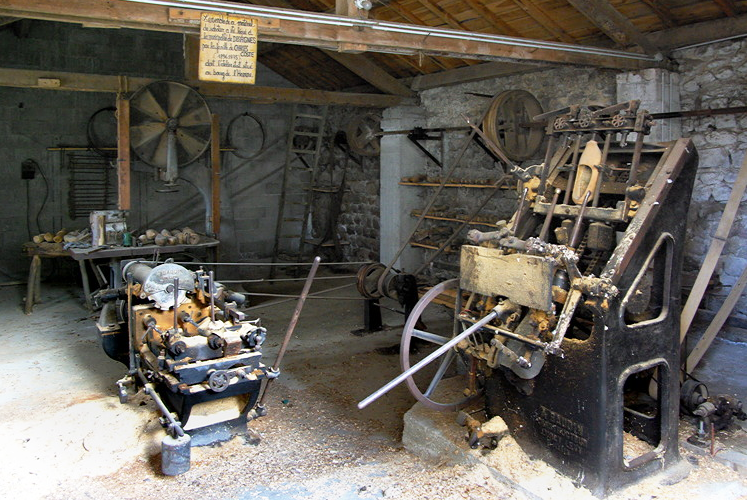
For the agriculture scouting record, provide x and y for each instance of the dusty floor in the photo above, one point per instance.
(66, 435)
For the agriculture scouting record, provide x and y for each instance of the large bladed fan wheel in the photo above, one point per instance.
(169, 126)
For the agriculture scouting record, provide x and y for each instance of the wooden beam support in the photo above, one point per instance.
(728, 7)
(123, 153)
(441, 14)
(721, 316)
(4, 21)
(704, 32)
(492, 18)
(613, 24)
(544, 20)
(261, 95)
(471, 74)
(665, 15)
(334, 32)
(714, 251)
(371, 72)
(215, 175)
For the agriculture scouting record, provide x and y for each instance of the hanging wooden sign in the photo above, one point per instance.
(228, 48)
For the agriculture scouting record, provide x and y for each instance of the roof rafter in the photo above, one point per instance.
(663, 12)
(613, 24)
(329, 32)
(499, 24)
(544, 20)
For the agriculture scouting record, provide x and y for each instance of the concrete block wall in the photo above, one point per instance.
(33, 120)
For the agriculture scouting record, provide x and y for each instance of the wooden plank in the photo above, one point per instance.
(8, 20)
(704, 32)
(714, 251)
(492, 18)
(331, 32)
(665, 15)
(718, 321)
(441, 14)
(123, 153)
(215, 175)
(727, 6)
(10, 77)
(476, 73)
(372, 73)
(613, 24)
(544, 20)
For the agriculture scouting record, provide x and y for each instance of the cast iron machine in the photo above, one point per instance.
(566, 317)
(186, 342)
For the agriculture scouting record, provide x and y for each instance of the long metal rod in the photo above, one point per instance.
(260, 264)
(282, 301)
(151, 391)
(425, 31)
(427, 360)
(292, 325)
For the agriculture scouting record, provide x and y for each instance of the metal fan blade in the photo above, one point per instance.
(191, 144)
(143, 134)
(177, 95)
(159, 155)
(198, 116)
(146, 103)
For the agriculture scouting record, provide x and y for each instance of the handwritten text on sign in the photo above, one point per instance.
(228, 48)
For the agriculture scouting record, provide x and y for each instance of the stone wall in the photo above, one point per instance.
(445, 107)
(715, 76)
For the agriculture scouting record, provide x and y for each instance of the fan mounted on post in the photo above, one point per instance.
(169, 127)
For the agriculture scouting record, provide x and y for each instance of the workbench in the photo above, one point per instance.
(114, 254)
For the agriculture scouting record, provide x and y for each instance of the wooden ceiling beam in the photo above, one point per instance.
(729, 7)
(371, 72)
(410, 16)
(4, 21)
(491, 18)
(441, 14)
(58, 80)
(665, 15)
(703, 32)
(613, 24)
(476, 73)
(333, 33)
(545, 20)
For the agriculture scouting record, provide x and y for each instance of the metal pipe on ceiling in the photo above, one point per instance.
(408, 29)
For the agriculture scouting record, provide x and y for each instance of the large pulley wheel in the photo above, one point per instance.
(508, 124)
(363, 134)
(432, 322)
(169, 124)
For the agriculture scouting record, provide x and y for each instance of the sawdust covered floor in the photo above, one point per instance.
(65, 435)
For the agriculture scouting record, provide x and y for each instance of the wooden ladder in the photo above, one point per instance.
(303, 151)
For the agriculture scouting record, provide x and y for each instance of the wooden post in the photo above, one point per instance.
(123, 153)
(215, 174)
(721, 316)
(714, 251)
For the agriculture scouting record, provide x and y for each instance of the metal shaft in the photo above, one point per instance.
(212, 298)
(292, 324)
(548, 218)
(428, 359)
(176, 303)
